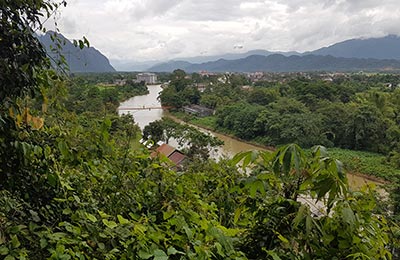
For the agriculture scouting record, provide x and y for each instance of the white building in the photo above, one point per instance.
(149, 78)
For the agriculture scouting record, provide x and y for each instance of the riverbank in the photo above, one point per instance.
(178, 117)
(367, 165)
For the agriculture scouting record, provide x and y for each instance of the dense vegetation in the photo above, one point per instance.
(357, 112)
(89, 94)
(194, 143)
(71, 187)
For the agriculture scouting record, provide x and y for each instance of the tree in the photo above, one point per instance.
(367, 129)
(22, 57)
(179, 80)
(171, 98)
(263, 96)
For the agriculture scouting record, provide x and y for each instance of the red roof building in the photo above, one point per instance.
(171, 153)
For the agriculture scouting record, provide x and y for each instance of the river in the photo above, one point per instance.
(147, 108)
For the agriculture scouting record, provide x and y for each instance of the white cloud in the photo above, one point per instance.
(158, 29)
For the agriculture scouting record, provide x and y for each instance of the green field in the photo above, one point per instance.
(365, 163)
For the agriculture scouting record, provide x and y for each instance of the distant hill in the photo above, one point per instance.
(79, 60)
(376, 48)
(183, 63)
(121, 65)
(235, 56)
(170, 66)
(281, 63)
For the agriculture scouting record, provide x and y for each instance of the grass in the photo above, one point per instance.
(365, 163)
(207, 122)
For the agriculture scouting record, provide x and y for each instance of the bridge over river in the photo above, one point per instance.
(142, 108)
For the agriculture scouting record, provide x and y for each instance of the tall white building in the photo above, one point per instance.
(149, 78)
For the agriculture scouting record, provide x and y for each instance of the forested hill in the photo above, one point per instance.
(79, 60)
(281, 63)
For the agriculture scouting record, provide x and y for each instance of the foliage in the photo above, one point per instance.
(179, 92)
(345, 227)
(196, 144)
(21, 54)
(353, 111)
(366, 163)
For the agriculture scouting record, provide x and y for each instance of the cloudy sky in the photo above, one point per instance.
(140, 30)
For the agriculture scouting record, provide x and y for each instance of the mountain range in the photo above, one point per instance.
(356, 54)
(78, 60)
(370, 54)
(281, 63)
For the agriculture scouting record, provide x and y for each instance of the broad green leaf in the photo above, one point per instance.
(348, 216)
(91, 217)
(172, 251)
(110, 224)
(168, 214)
(15, 242)
(122, 220)
(4, 250)
(144, 255)
(159, 255)
(43, 243)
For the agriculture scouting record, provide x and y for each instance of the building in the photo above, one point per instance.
(149, 78)
(201, 86)
(171, 153)
(198, 110)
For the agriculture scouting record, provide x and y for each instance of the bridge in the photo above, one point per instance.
(143, 108)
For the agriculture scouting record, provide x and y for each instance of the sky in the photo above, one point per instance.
(143, 30)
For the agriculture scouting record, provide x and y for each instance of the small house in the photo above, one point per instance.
(171, 153)
(197, 110)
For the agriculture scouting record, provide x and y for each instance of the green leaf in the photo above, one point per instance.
(103, 215)
(168, 214)
(273, 255)
(91, 217)
(238, 212)
(110, 224)
(188, 232)
(15, 242)
(300, 215)
(17, 229)
(282, 238)
(308, 225)
(348, 216)
(144, 255)
(67, 211)
(159, 255)
(122, 220)
(4, 250)
(101, 246)
(172, 251)
(52, 179)
(63, 148)
(43, 243)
